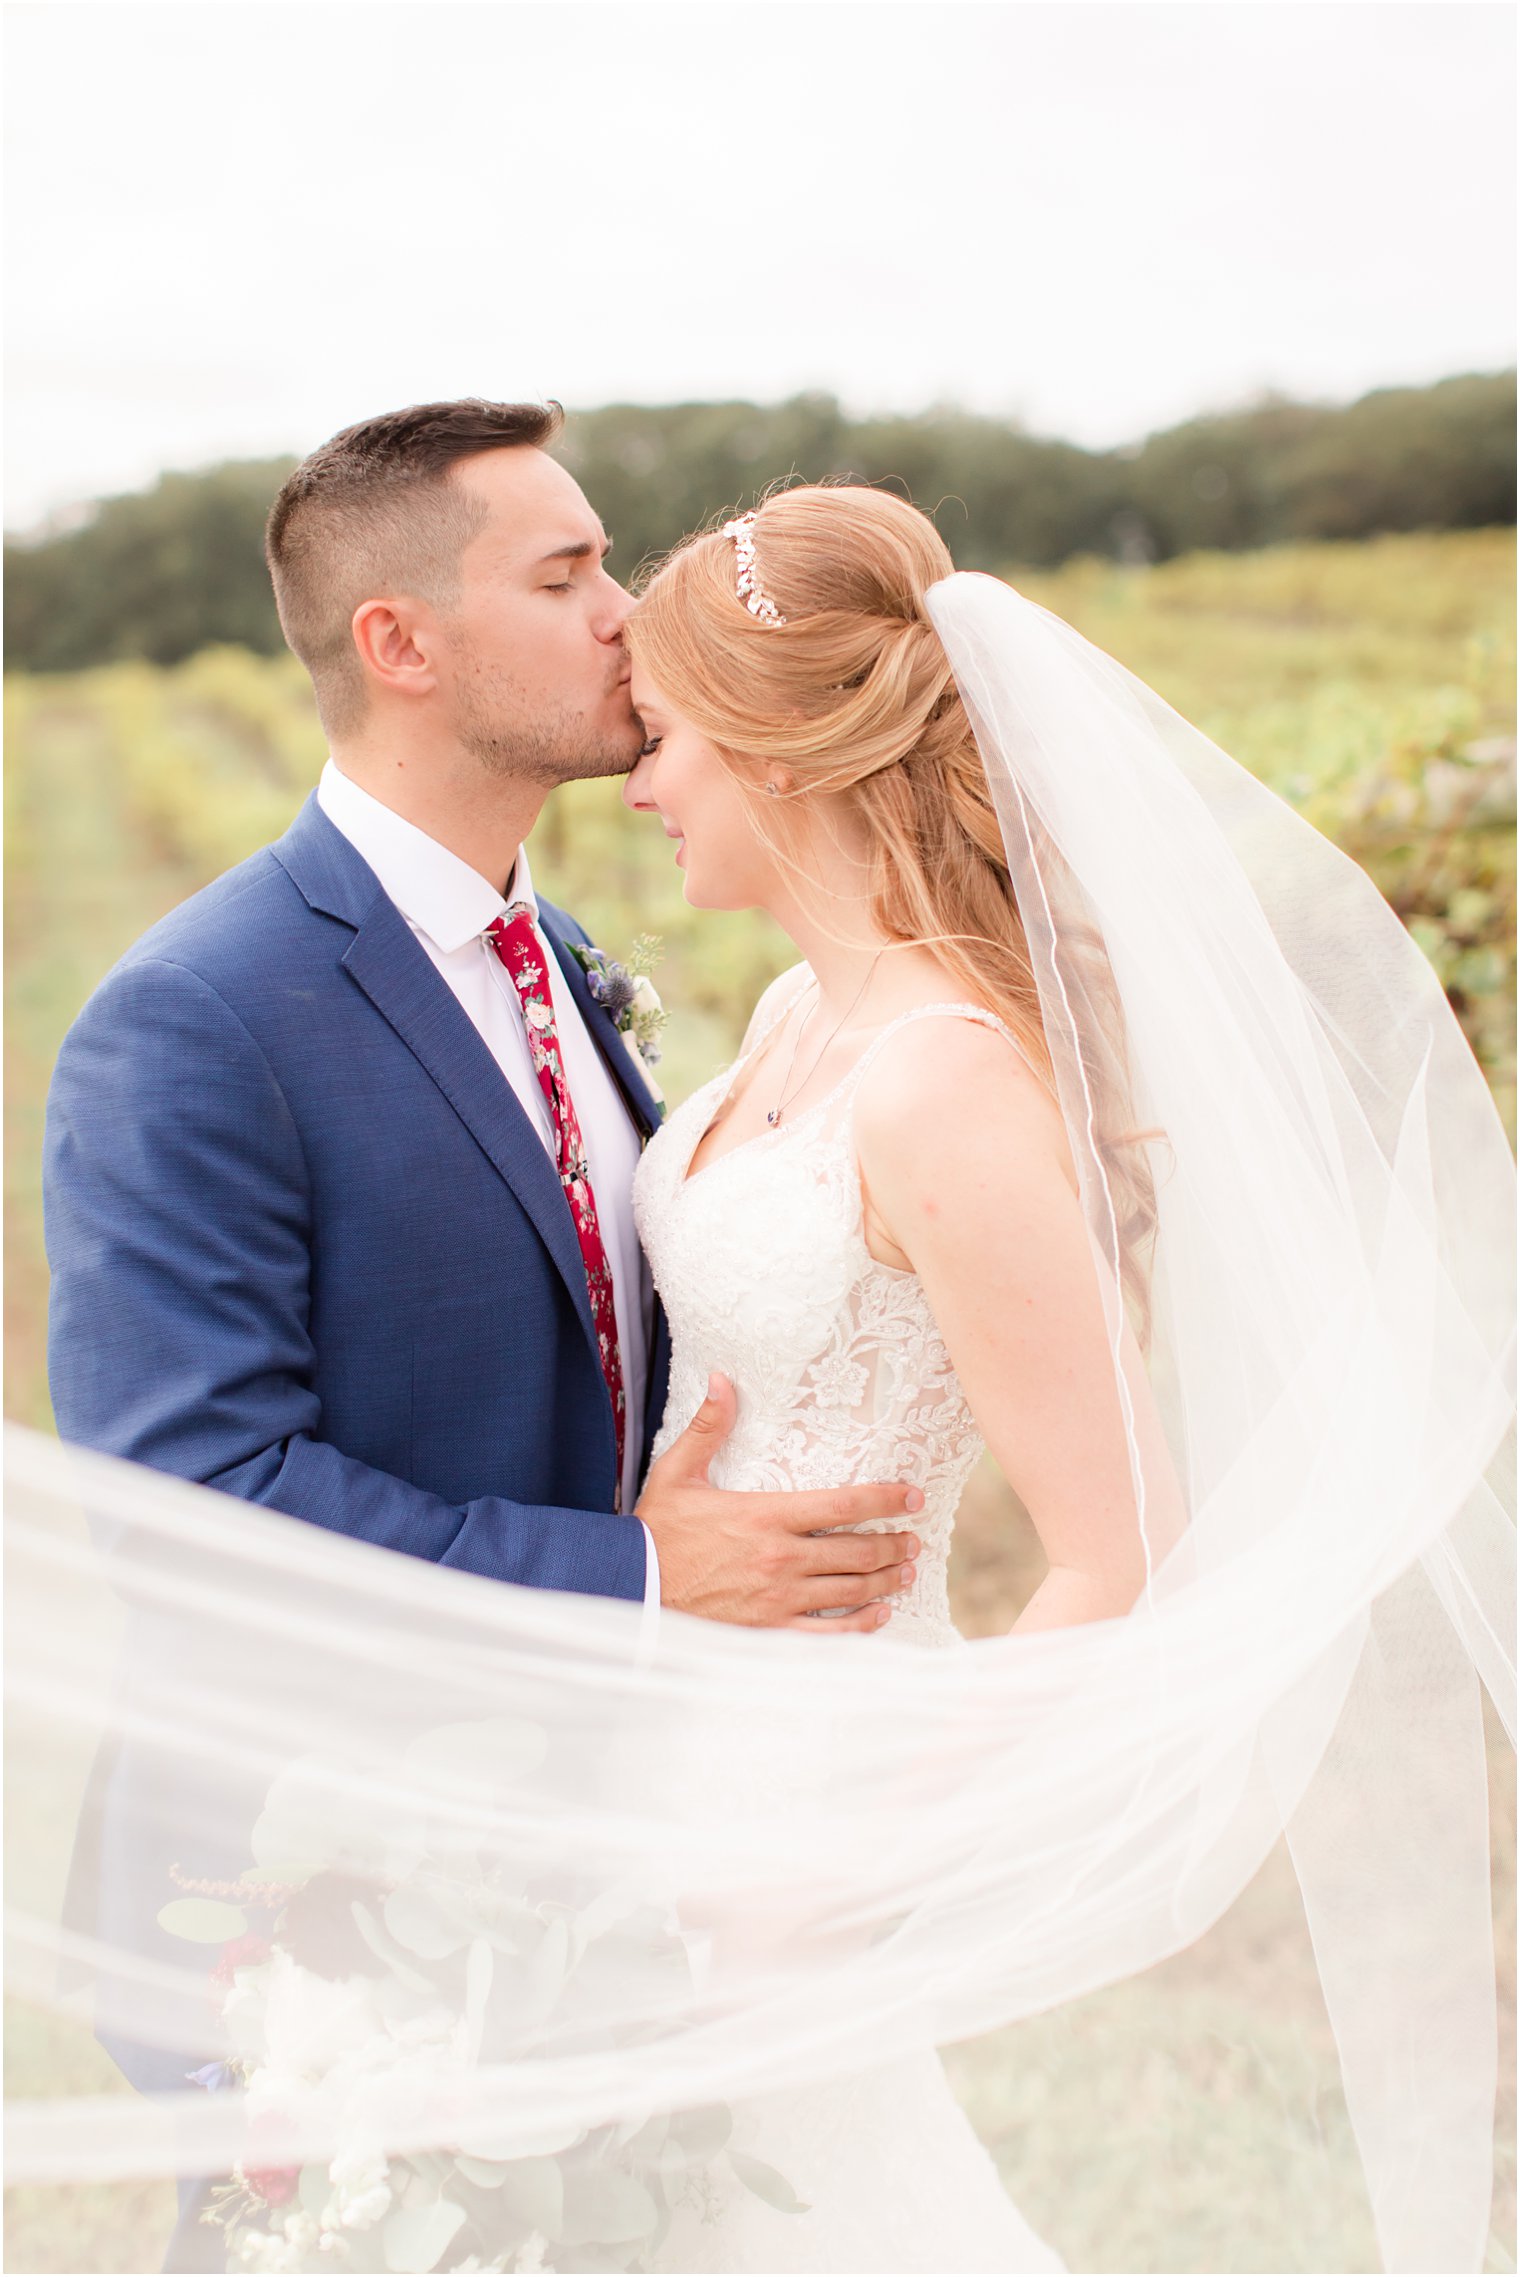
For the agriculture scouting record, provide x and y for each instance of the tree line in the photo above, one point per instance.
(162, 573)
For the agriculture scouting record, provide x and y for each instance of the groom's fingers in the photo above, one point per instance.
(844, 1506)
(767, 1559)
(857, 1553)
(849, 1592)
(843, 1624)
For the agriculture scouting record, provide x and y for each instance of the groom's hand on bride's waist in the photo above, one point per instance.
(771, 1561)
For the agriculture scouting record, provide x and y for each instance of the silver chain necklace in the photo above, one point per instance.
(788, 1090)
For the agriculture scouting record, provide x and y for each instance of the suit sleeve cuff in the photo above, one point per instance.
(649, 1625)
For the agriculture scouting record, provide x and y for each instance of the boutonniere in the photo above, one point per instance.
(628, 995)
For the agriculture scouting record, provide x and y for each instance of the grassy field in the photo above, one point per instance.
(1192, 2119)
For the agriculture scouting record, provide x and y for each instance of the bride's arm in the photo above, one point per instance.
(968, 1182)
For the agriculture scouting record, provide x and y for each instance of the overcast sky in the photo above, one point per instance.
(233, 228)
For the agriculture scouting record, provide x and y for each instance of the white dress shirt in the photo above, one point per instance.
(448, 907)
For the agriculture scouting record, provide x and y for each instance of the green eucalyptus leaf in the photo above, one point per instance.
(766, 2183)
(703, 2131)
(290, 1873)
(316, 2188)
(604, 1913)
(387, 1950)
(606, 2208)
(534, 2190)
(485, 2173)
(204, 1921)
(430, 2171)
(415, 2186)
(416, 1921)
(642, 2137)
(673, 2165)
(416, 2238)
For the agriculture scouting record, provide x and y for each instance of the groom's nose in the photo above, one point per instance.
(614, 608)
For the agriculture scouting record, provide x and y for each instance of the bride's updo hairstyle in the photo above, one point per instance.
(854, 696)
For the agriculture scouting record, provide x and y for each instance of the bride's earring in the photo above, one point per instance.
(773, 790)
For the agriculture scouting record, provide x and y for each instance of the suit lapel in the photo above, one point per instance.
(399, 978)
(639, 1099)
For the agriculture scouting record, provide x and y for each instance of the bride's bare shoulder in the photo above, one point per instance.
(946, 1093)
(774, 1002)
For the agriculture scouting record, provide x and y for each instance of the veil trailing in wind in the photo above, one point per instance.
(393, 1859)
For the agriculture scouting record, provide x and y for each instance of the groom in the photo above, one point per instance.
(339, 1156)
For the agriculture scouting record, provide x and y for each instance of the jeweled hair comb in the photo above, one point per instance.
(747, 578)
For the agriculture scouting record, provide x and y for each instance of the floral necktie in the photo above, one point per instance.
(517, 944)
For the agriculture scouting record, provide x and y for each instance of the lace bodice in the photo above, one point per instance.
(841, 1373)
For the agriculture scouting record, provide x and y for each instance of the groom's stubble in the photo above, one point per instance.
(547, 747)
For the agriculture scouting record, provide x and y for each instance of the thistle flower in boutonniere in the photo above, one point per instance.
(627, 994)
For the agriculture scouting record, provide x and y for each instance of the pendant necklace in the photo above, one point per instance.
(788, 1090)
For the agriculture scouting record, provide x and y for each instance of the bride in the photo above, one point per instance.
(870, 1226)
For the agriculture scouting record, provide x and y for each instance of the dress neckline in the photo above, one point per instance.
(727, 1078)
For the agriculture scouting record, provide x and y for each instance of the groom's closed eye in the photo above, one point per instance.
(574, 554)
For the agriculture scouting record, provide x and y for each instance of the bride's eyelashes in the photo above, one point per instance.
(649, 748)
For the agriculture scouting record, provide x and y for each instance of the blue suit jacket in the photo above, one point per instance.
(308, 1249)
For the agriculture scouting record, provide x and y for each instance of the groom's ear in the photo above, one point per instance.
(396, 641)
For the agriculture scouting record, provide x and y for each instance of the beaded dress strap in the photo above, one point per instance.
(777, 1016)
(976, 1012)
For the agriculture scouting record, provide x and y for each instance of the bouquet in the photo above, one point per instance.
(352, 1984)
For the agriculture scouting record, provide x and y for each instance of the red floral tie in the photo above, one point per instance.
(517, 944)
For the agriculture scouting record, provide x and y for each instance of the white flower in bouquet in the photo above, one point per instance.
(311, 2021)
(361, 2189)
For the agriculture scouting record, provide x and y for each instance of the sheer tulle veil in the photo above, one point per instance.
(623, 1881)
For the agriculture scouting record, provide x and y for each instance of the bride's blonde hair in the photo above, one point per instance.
(854, 696)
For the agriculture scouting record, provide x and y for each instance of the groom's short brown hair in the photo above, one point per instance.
(373, 512)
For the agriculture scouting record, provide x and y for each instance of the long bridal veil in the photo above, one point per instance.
(345, 1856)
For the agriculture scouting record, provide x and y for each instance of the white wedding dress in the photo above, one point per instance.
(842, 1376)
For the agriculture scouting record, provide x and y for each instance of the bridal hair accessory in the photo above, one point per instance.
(747, 577)
(559, 1902)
